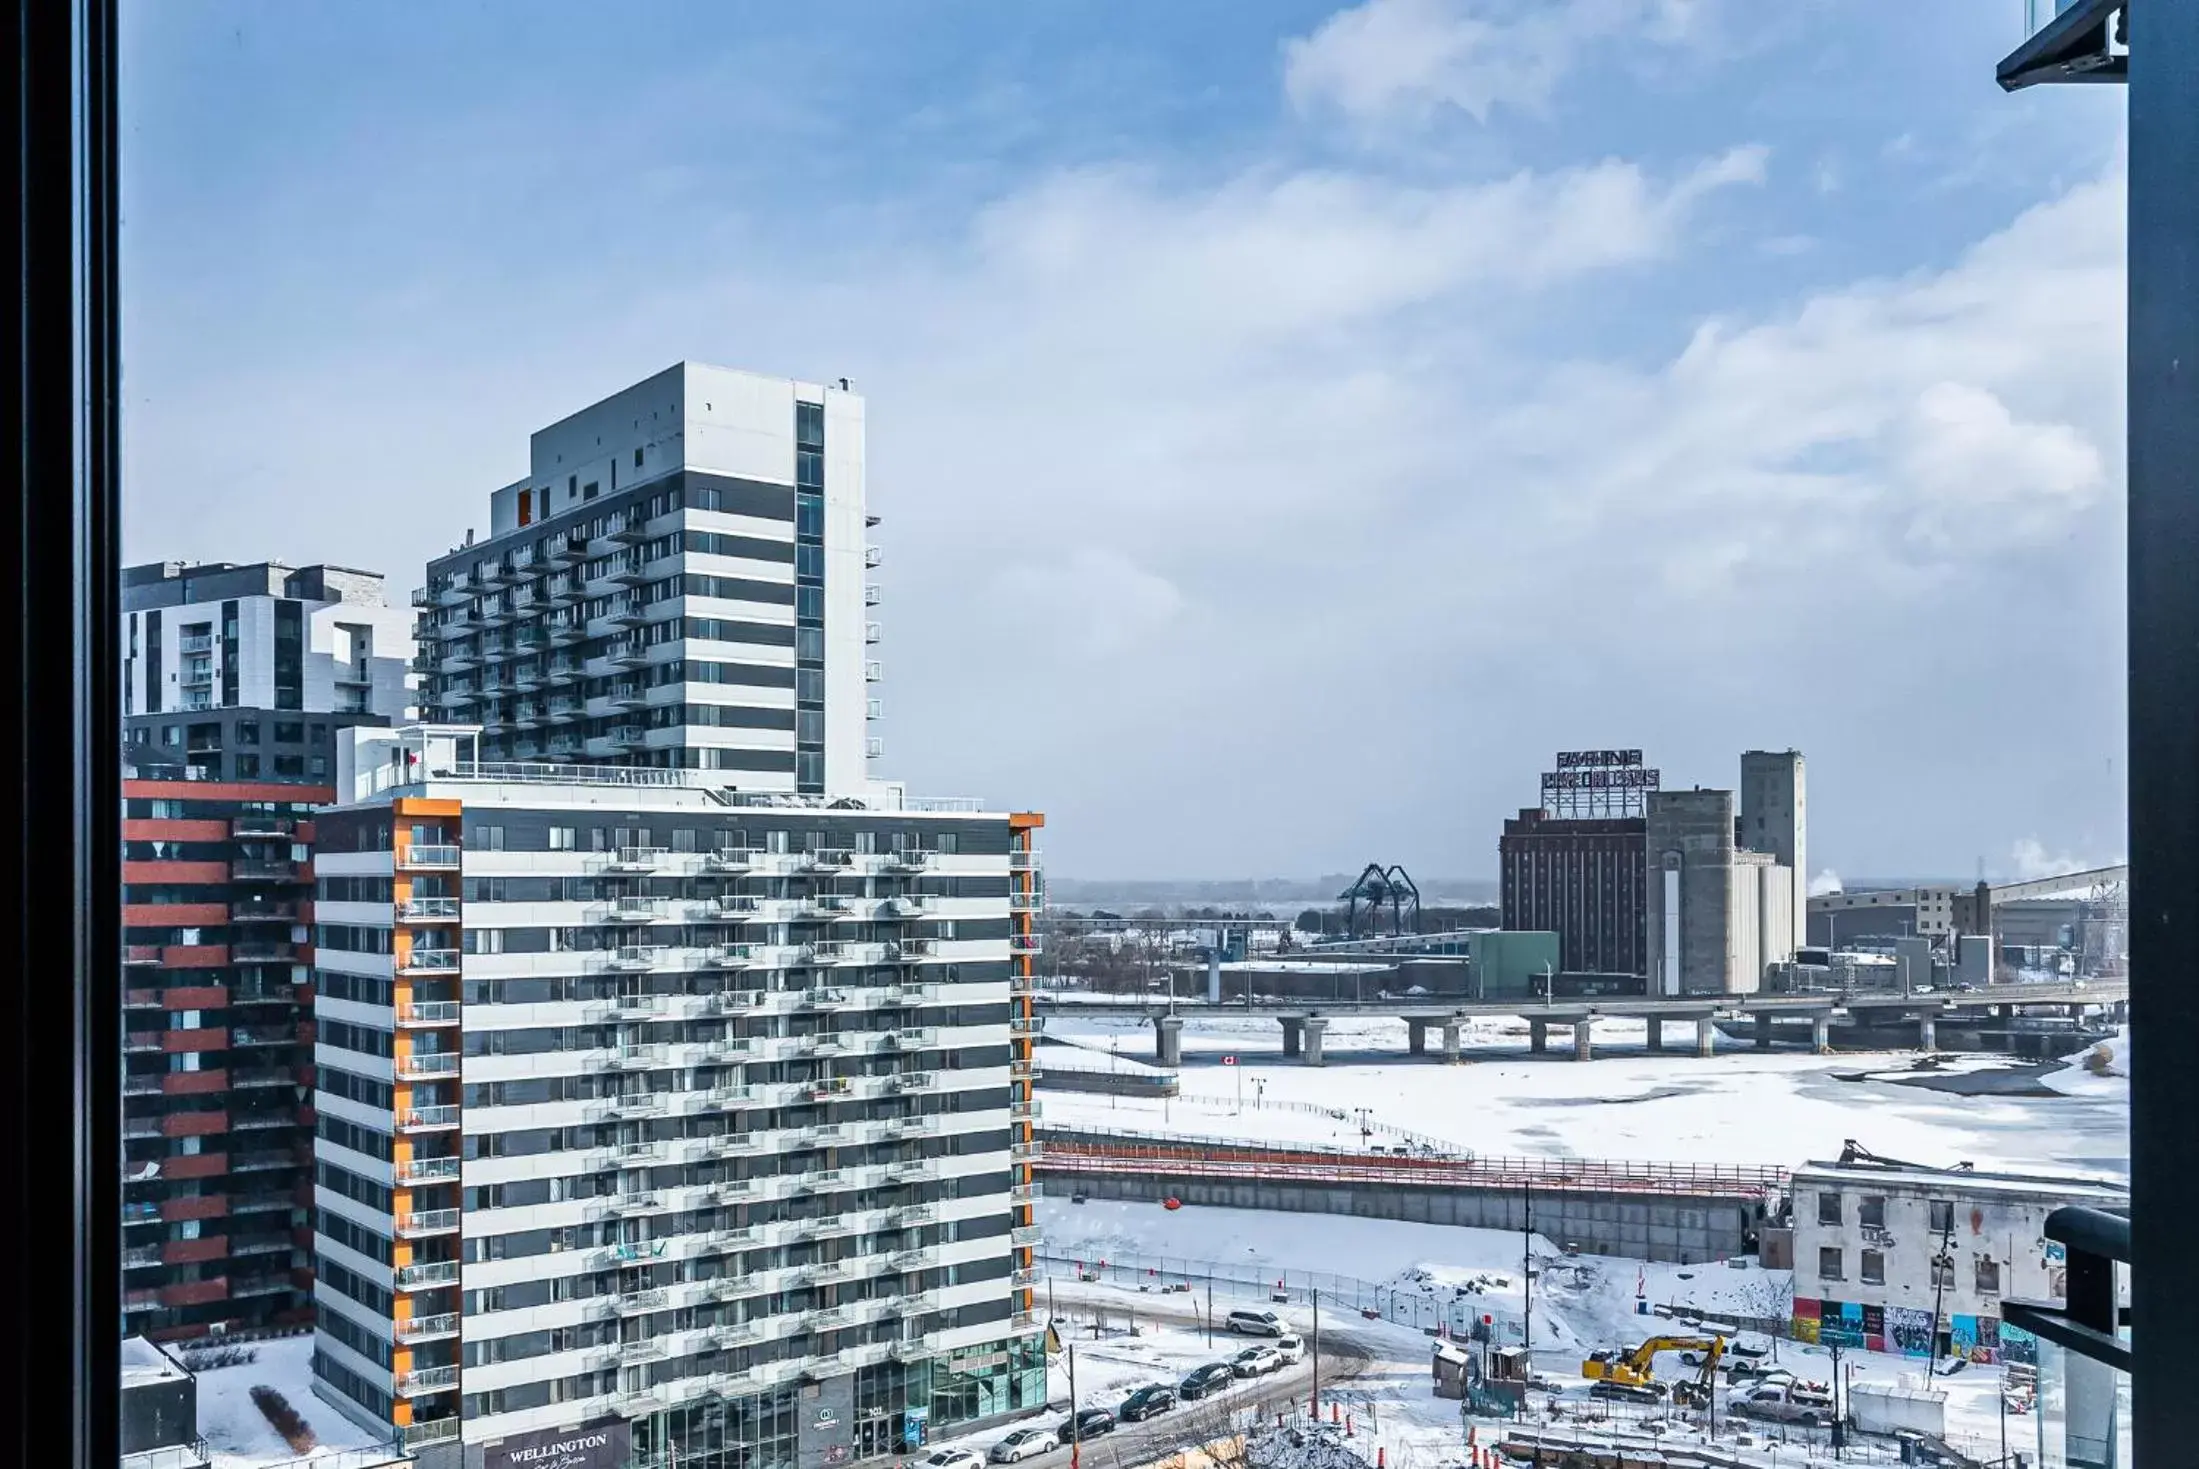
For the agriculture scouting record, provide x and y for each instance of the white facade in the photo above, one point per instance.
(711, 523)
(1909, 1241)
(206, 638)
(638, 1092)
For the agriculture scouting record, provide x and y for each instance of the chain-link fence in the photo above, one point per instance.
(1462, 1313)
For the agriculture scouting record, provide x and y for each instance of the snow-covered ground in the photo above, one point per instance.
(2101, 1071)
(1063, 1053)
(1742, 1106)
(238, 1434)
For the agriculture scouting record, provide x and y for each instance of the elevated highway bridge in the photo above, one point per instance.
(1305, 1022)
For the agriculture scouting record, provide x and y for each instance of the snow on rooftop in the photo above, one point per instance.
(237, 1433)
(143, 1362)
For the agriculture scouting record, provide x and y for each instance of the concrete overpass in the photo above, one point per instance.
(1305, 1023)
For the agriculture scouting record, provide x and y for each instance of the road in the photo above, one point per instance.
(1345, 1354)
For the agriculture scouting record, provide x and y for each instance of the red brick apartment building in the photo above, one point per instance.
(218, 1054)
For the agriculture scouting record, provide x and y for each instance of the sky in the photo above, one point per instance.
(1292, 422)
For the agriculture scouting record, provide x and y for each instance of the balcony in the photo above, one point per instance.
(264, 869)
(1023, 1236)
(1023, 1111)
(418, 1225)
(427, 1012)
(1032, 901)
(426, 1380)
(907, 1127)
(641, 1302)
(429, 961)
(427, 1065)
(263, 912)
(263, 825)
(141, 954)
(909, 994)
(909, 907)
(263, 1035)
(415, 1171)
(908, 859)
(911, 951)
(427, 1328)
(428, 910)
(824, 859)
(429, 857)
(638, 1058)
(731, 859)
(913, 1081)
(427, 1275)
(427, 1119)
(628, 1105)
(731, 956)
(915, 1037)
(1024, 943)
(823, 997)
(635, 958)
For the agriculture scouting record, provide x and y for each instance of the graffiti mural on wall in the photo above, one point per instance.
(1976, 1338)
(2018, 1345)
(1909, 1331)
(1805, 1319)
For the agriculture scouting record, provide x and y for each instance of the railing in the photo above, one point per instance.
(430, 961)
(427, 1274)
(423, 1064)
(420, 1328)
(420, 855)
(426, 1118)
(428, 1170)
(434, 1430)
(416, 909)
(426, 1379)
(1226, 1158)
(2084, 1352)
(429, 1221)
(428, 1012)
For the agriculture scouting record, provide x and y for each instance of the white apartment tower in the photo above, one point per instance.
(679, 581)
(692, 1123)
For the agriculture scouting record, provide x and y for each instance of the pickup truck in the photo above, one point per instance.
(1786, 1402)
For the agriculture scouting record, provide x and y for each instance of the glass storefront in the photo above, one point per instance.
(732, 1433)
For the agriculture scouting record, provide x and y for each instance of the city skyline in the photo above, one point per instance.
(1123, 341)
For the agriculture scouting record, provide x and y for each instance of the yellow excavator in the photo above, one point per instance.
(1633, 1375)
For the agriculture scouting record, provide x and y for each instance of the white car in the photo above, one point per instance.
(955, 1459)
(1292, 1349)
(1022, 1444)
(1257, 1362)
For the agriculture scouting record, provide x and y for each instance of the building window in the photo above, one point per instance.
(1874, 1211)
(287, 733)
(248, 765)
(489, 838)
(1828, 1263)
(1943, 1216)
(1943, 1273)
(1874, 1267)
(561, 839)
(1988, 1277)
(1828, 1210)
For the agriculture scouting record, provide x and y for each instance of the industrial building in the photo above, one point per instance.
(678, 581)
(244, 671)
(1576, 865)
(649, 1106)
(1720, 913)
(1898, 1258)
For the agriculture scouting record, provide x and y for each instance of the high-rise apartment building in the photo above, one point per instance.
(664, 1118)
(678, 581)
(217, 1134)
(243, 672)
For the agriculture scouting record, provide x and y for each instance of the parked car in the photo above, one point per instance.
(1022, 1444)
(1292, 1349)
(1086, 1423)
(1254, 1323)
(955, 1459)
(1257, 1362)
(1145, 1402)
(1201, 1381)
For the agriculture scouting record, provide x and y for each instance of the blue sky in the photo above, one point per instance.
(1292, 421)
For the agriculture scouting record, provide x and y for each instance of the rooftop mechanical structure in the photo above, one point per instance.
(1379, 887)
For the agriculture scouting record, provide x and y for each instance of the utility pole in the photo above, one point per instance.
(1076, 1436)
(1210, 1311)
(1943, 1266)
(1317, 1356)
(1527, 1265)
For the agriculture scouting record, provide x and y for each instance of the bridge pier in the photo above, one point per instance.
(1927, 1033)
(1821, 1030)
(1294, 1036)
(1538, 1036)
(1656, 1031)
(1168, 1040)
(1416, 1037)
(1583, 1047)
(1315, 1027)
(1706, 1037)
(1450, 1041)
(1763, 1032)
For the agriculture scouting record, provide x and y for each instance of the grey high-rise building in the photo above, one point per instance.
(1775, 819)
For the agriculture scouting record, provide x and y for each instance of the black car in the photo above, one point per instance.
(1145, 1402)
(1200, 1381)
(1087, 1423)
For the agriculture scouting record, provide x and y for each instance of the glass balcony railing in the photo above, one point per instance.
(2082, 1345)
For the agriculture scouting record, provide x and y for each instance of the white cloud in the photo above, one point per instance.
(1825, 882)
(1095, 601)
(1388, 59)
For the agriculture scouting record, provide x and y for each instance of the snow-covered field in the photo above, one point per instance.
(1742, 1106)
(238, 1434)
(2103, 1071)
